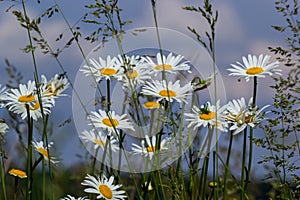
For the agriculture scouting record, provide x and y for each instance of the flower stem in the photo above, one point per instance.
(227, 166)
(243, 166)
(16, 188)
(251, 133)
(2, 172)
(29, 156)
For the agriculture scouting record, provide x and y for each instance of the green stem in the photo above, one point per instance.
(2, 172)
(16, 188)
(44, 179)
(203, 179)
(29, 155)
(251, 134)
(243, 165)
(227, 166)
(153, 3)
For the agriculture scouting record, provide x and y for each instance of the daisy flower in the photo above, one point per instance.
(168, 64)
(18, 173)
(55, 86)
(3, 126)
(136, 71)
(25, 96)
(150, 149)
(103, 187)
(39, 147)
(99, 139)
(102, 69)
(255, 67)
(149, 105)
(2, 91)
(240, 115)
(69, 197)
(171, 91)
(110, 121)
(206, 115)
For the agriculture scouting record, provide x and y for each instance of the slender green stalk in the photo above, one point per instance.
(44, 180)
(227, 167)
(29, 156)
(153, 3)
(2, 174)
(203, 177)
(243, 165)
(251, 133)
(16, 188)
(179, 172)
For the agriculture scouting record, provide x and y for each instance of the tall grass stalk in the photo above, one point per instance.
(29, 155)
(2, 174)
(227, 166)
(251, 133)
(243, 168)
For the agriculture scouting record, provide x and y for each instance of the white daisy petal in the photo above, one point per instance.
(150, 150)
(255, 67)
(110, 121)
(169, 91)
(102, 69)
(39, 147)
(169, 64)
(240, 115)
(99, 139)
(17, 101)
(104, 187)
(206, 115)
(69, 197)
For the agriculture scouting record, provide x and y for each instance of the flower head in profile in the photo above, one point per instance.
(149, 105)
(55, 86)
(207, 115)
(69, 197)
(110, 121)
(150, 148)
(103, 187)
(169, 91)
(135, 73)
(2, 91)
(43, 150)
(169, 64)
(18, 173)
(102, 69)
(253, 66)
(240, 115)
(99, 139)
(19, 100)
(3, 126)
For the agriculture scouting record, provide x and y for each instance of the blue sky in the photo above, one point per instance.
(244, 27)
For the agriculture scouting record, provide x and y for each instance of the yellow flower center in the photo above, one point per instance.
(150, 149)
(151, 105)
(248, 119)
(108, 71)
(26, 98)
(43, 152)
(35, 106)
(99, 142)
(132, 74)
(167, 93)
(110, 122)
(161, 67)
(18, 173)
(207, 116)
(105, 191)
(254, 70)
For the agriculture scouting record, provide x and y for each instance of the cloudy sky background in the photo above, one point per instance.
(243, 27)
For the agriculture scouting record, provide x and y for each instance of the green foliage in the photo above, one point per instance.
(284, 124)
